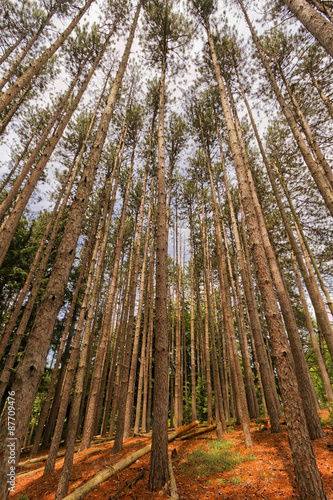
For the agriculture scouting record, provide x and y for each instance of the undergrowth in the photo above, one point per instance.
(219, 457)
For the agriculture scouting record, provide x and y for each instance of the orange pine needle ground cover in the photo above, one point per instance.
(269, 476)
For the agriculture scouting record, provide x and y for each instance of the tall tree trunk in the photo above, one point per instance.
(306, 470)
(178, 372)
(300, 367)
(205, 337)
(143, 356)
(159, 469)
(314, 22)
(316, 171)
(30, 370)
(10, 224)
(251, 392)
(193, 386)
(144, 418)
(37, 65)
(228, 316)
(132, 377)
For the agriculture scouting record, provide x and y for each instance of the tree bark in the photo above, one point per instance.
(132, 377)
(306, 470)
(300, 366)
(159, 469)
(30, 370)
(316, 171)
(314, 22)
(37, 65)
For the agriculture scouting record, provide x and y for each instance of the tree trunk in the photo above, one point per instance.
(193, 386)
(251, 392)
(132, 377)
(159, 469)
(316, 171)
(314, 22)
(37, 65)
(306, 470)
(10, 224)
(300, 367)
(30, 370)
(228, 316)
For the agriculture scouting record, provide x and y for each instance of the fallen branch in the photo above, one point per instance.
(32, 461)
(173, 485)
(89, 452)
(198, 432)
(127, 485)
(83, 490)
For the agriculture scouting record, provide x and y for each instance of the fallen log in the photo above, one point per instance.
(89, 452)
(173, 485)
(198, 432)
(32, 461)
(86, 488)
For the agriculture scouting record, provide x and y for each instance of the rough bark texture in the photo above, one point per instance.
(306, 470)
(314, 22)
(30, 370)
(159, 468)
(300, 366)
(132, 376)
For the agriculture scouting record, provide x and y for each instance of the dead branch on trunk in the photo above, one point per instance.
(173, 485)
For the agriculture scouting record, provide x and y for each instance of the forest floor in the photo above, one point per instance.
(267, 473)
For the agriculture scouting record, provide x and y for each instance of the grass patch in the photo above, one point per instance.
(235, 480)
(219, 457)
